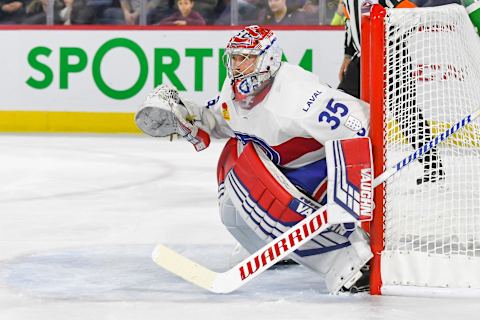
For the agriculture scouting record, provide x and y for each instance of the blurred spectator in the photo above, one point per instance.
(11, 11)
(294, 5)
(36, 12)
(339, 16)
(321, 11)
(248, 12)
(81, 13)
(114, 13)
(159, 9)
(278, 13)
(222, 13)
(311, 7)
(96, 12)
(312, 12)
(131, 10)
(66, 13)
(251, 11)
(206, 8)
(329, 10)
(185, 15)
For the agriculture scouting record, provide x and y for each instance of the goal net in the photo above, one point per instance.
(421, 73)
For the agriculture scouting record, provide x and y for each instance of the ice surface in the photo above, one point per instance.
(79, 216)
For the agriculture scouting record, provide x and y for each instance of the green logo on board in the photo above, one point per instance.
(166, 62)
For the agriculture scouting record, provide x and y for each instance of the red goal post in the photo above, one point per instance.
(372, 79)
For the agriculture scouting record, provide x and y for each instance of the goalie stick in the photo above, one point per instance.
(279, 248)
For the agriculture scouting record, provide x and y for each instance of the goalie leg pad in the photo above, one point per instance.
(230, 218)
(350, 193)
(350, 179)
(263, 196)
(238, 227)
(258, 203)
(345, 267)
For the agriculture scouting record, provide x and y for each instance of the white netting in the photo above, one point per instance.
(432, 80)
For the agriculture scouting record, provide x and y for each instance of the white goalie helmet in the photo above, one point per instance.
(252, 57)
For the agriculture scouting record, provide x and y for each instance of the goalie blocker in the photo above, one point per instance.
(258, 204)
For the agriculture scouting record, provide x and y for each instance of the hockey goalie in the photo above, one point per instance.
(295, 145)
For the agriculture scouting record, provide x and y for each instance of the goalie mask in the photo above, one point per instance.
(252, 57)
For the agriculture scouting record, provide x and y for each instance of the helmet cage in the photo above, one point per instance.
(246, 54)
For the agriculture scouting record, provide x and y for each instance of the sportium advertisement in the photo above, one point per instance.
(111, 71)
(89, 70)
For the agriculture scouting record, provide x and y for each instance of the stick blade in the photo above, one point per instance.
(184, 268)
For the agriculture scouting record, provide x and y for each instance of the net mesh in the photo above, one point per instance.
(432, 76)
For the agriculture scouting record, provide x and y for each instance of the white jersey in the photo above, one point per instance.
(294, 120)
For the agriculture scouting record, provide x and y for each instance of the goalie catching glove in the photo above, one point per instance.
(163, 113)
